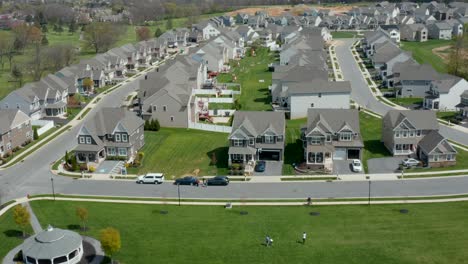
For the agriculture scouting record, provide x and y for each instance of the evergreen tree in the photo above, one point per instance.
(169, 24)
(35, 135)
(158, 32)
(146, 127)
(72, 26)
(74, 164)
(44, 28)
(156, 125)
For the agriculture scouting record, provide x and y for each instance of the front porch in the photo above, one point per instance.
(56, 109)
(404, 149)
(88, 157)
(431, 102)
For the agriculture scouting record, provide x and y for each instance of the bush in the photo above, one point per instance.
(74, 164)
(16, 149)
(92, 169)
(83, 166)
(35, 135)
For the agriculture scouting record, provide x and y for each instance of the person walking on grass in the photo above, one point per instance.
(304, 237)
(267, 240)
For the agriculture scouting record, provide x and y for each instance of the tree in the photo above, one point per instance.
(58, 56)
(147, 124)
(100, 36)
(6, 46)
(17, 75)
(36, 64)
(82, 214)
(44, 41)
(110, 241)
(66, 157)
(35, 135)
(72, 27)
(74, 164)
(22, 217)
(143, 33)
(44, 28)
(169, 24)
(158, 32)
(88, 84)
(156, 125)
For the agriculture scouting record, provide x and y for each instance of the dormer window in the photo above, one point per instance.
(251, 141)
(329, 138)
(117, 138)
(88, 140)
(346, 136)
(237, 142)
(82, 140)
(124, 138)
(269, 139)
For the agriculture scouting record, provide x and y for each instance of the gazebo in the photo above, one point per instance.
(53, 246)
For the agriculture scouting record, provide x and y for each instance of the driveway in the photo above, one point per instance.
(272, 168)
(341, 167)
(107, 166)
(384, 165)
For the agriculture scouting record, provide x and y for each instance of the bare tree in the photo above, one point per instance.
(143, 33)
(58, 56)
(101, 36)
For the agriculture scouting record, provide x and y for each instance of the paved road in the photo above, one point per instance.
(33, 175)
(362, 94)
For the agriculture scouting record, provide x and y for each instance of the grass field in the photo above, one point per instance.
(422, 52)
(428, 234)
(252, 70)
(371, 132)
(177, 151)
(293, 150)
(344, 34)
(407, 101)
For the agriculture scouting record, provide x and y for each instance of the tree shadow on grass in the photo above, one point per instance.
(293, 153)
(376, 147)
(221, 155)
(74, 227)
(13, 233)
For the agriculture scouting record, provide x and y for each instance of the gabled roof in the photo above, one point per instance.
(332, 120)
(105, 121)
(255, 123)
(420, 119)
(414, 72)
(444, 85)
(10, 118)
(435, 143)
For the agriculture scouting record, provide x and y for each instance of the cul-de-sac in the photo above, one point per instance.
(235, 131)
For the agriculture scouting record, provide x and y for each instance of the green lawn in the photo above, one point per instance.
(176, 151)
(255, 94)
(422, 52)
(371, 132)
(428, 234)
(217, 106)
(10, 233)
(293, 151)
(344, 34)
(407, 101)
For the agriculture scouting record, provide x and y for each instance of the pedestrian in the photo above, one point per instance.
(304, 237)
(309, 200)
(267, 240)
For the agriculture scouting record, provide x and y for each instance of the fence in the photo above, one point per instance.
(221, 100)
(210, 127)
(213, 92)
(44, 125)
(221, 112)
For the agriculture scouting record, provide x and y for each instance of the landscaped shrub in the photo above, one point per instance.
(92, 169)
(35, 134)
(83, 166)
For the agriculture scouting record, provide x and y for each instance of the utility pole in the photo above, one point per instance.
(178, 191)
(53, 190)
(369, 191)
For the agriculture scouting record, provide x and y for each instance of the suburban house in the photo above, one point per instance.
(214, 56)
(414, 32)
(129, 54)
(175, 38)
(15, 130)
(111, 133)
(440, 30)
(168, 97)
(386, 55)
(463, 105)
(257, 135)
(207, 29)
(412, 79)
(371, 38)
(242, 18)
(392, 31)
(457, 27)
(330, 135)
(415, 133)
(444, 94)
(247, 33)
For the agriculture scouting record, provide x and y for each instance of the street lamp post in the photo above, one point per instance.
(369, 191)
(53, 190)
(178, 192)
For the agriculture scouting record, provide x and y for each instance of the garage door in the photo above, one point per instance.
(353, 153)
(340, 154)
(270, 155)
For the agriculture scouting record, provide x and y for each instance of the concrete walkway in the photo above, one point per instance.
(36, 226)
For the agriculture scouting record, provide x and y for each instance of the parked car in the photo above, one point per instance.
(356, 165)
(156, 178)
(260, 166)
(218, 180)
(410, 162)
(188, 180)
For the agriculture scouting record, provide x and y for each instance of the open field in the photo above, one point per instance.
(423, 52)
(278, 10)
(179, 151)
(254, 78)
(429, 233)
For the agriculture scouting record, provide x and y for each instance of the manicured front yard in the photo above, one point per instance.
(422, 52)
(344, 34)
(428, 234)
(10, 233)
(254, 77)
(371, 132)
(177, 151)
(407, 101)
(293, 150)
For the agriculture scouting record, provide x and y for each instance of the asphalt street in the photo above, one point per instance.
(361, 93)
(34, 177)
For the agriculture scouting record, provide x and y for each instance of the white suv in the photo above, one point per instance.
(156, 178)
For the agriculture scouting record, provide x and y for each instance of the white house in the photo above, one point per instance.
(445, 94)
(207, 29)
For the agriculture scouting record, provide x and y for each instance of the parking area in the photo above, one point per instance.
(342, 167)
(272, 168)
(384, 165)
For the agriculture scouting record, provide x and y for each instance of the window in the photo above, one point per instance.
(117, 138)
(435, 157)
(311, 105)
(111, 151)
(329, 138)
(418, 133)
(17, 106)
(154, 108)
(251, 141)
(279, 138)
(122, 152)
(172, 119)
(320, 95)
(237, 157)
(411, 133)
(315, 140)
(450, 157)
(237, 142)
(397, 134)
(124, 138)
(88, 140)
(269, 139)
(404, 134)
(73, 254)
(164, 108)
(82, 140)
(345, 136)
(62, 259)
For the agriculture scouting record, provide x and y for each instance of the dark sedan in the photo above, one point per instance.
(260, 166)
(218, 180)
(189, 180)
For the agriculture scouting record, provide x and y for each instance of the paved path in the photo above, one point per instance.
(36, 226)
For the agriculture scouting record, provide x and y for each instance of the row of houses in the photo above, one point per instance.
(334, 134)
(397, 69)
